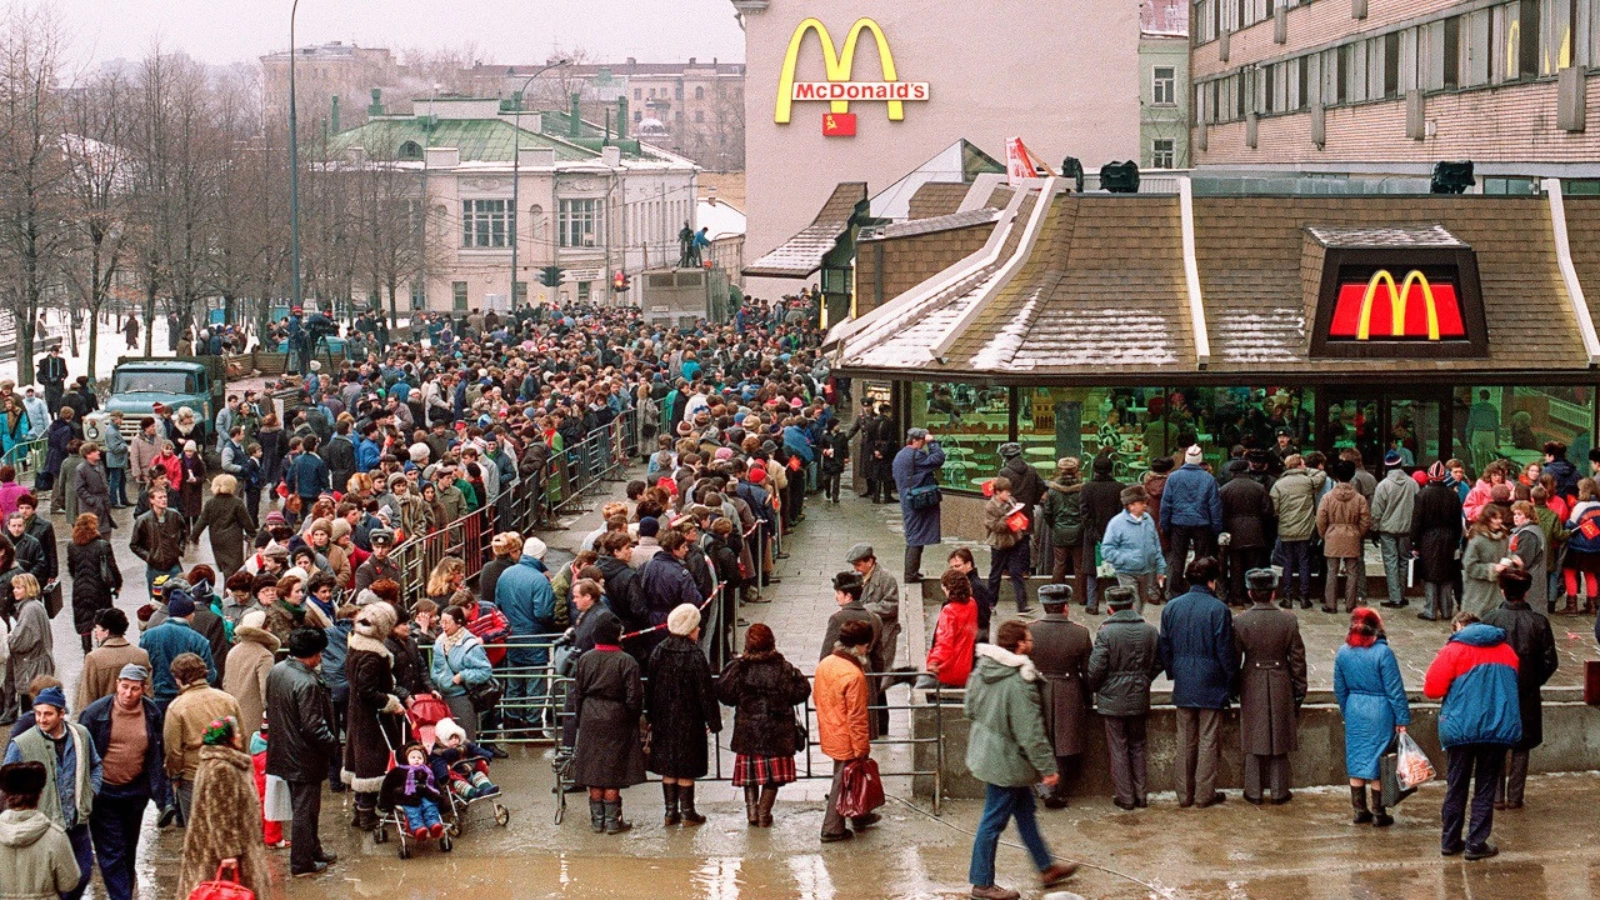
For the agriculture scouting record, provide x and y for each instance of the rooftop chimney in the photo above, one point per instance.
(622, 118)
(575, 117)
(333, 117)
(376, 109)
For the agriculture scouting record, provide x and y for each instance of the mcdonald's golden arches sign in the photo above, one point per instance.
(1404, 301)
(840, 88)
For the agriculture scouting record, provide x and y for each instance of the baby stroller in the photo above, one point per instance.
(466, 777)
(392, 815)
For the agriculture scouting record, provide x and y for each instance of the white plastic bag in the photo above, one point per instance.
(1414, 768)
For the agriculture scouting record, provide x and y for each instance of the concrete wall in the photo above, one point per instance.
(990, 72)
(1572, 744)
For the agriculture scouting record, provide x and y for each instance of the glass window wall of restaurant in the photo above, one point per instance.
(1135, 425)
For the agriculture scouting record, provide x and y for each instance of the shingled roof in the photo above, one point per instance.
(802, 254)
(1101, 292)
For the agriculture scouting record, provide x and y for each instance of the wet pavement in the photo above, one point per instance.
(1306, 849)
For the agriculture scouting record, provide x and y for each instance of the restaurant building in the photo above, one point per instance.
(1437, 325)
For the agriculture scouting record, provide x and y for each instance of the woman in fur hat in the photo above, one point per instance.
(225, 815)
(374, 708)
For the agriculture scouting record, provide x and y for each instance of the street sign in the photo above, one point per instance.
(573, 276)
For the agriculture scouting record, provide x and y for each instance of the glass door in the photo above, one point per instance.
(1414, 430)
(1354, 418)
(1410, 421)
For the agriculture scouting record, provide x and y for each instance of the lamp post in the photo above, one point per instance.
(294, 170)
(516, 172)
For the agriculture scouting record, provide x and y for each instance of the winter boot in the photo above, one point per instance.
(686, 806)
(615, 824)
(1380, 815)
(769, 796)
(669, 793)
(752, 799)
(1358, 800)
(597, 816)
(482, 786)
(366, 818)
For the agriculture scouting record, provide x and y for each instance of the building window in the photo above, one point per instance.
(519, 293)
(410, 150)
(1164, 86)
(459, 290)
(583, 291)
(579, 222)
(699, 115)
(1163, 153)
(638, 93)
(971, 420)
(419, 297)
(699, 92)
(486, 223)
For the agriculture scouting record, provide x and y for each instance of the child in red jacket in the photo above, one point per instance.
(956, 634)
(271, 831)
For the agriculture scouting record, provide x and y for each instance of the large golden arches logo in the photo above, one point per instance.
(839, 64)
(1397, 304)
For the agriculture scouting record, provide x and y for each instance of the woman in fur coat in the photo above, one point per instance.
(225, 815)
(374, 708)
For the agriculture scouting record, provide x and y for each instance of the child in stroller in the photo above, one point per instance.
(459, 763)
(410, 788)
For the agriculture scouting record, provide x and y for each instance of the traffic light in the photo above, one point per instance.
(620, 282)
(550, 276)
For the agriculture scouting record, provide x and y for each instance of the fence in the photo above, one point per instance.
(27, 456)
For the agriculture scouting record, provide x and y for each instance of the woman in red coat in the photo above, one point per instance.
(955, 635)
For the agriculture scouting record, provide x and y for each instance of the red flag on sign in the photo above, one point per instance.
(838, 124)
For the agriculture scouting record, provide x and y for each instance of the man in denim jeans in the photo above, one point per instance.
(1008, 751)
(1294, 497)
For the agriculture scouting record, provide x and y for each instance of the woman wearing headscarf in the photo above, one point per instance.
(192, 481)
(682, 706)
(225, 814)
(763, 688)
(230, 525)
(1372, 700)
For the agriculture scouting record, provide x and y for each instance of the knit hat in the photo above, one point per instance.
(1437, 472)
(1193, 455)
(51, 696)
(180, 606)
(534, 547)
(255, 618)
(446, 729)
(375, 621)
(683, 619)
(396, 478)
(649, 526)
(1393, 458)
(276, 518)
(419, 453)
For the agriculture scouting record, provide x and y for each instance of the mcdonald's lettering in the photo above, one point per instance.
(839, 68)
(1411, 309)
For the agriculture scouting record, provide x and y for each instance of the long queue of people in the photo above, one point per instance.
(299, 645)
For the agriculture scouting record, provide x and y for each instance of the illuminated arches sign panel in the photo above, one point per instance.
(841, 89)
(1380, 303)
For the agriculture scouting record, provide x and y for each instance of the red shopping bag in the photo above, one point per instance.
(1017, 522)
(861, 791)
(225, 886)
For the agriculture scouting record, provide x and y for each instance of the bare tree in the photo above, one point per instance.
(34, 235)
(98, 185)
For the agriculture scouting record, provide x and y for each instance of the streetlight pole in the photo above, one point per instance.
(294, 170)
(516, 174)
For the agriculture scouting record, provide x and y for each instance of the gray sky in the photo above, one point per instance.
(503, 31)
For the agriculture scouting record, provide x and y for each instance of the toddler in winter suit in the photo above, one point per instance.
(410, 787)
(461, 764)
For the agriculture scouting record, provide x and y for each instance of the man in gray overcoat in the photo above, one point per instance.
(1272, 684)
(1061, 651)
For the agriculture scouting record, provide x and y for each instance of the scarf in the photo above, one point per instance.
(413, 773)
(450, 642)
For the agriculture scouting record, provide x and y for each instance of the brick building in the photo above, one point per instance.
(1397, 85)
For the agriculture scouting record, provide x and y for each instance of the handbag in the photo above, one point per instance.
(485, 694)
(225, 886)
(925, 496)
(52, 598)
(860, 788)
(1103, 569)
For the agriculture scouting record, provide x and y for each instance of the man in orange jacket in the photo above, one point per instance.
(840, 696)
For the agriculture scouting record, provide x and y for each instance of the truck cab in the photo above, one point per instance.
(138, 384)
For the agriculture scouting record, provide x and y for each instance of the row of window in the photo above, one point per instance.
(699, 93)
(461, 299)
(1505, 43)
(490, 224)
(1210, 17)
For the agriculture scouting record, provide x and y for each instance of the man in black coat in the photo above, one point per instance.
(1101, 500)
(52, 375)
(340, 455)
(1247, 519)
(303, 742)
(847, 588)
(622, 581)
(1528, 632)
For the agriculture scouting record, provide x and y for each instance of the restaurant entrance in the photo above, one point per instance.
(1411, 420)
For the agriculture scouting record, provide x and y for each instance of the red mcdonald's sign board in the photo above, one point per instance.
(1410, 308)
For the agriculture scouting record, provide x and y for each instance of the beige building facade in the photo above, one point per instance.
(1064, 77)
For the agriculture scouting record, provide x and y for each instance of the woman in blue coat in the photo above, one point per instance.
(459, 661)
(1372, 699)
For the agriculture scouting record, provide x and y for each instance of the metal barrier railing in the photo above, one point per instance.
(27, 456)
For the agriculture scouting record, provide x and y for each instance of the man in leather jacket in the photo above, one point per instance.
(302, 743)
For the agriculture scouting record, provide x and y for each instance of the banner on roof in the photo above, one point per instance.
(1019, 162)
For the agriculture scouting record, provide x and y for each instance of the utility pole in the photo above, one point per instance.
(516, 175)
